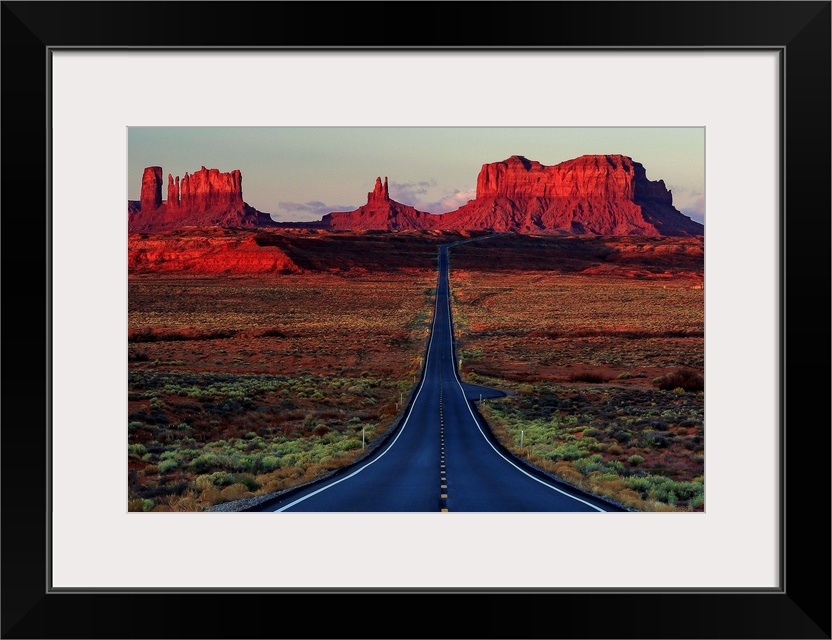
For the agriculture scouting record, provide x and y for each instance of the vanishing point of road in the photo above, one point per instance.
(440, 458)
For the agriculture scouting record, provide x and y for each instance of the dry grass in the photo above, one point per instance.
(607, 366)
(245, 386)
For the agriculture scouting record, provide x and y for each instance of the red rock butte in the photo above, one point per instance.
(207, 197)
(589, 195)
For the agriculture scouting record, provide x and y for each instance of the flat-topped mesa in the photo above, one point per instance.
(591, 194)
(597, 177)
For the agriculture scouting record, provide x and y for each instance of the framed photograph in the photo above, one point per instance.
(82, 81)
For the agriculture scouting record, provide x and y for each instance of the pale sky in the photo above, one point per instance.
(302, 173)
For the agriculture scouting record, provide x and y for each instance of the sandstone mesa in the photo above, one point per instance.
(589, 195)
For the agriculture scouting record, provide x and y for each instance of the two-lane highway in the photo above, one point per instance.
(441, 458)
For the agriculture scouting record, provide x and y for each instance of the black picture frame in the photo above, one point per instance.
(800, 608)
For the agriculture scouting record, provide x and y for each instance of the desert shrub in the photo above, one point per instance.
(686, 379)
(167, 465)
(622, 437)
(568, 451)
(234, 492)
(205, 462)
(247, 481)
(684, 490)
(218, 478)
(567, 472)
(136, 450)
(588, 465)
(653, 440)
(210, 495)
(617, 466)
(635, 460)
(269, 463)
(139, 504)
(186, 502)
(225, 479)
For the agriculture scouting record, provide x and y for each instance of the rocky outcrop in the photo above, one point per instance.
(207, 197)
(151, 194)
(590, 195)
(593, 194)
(210, 251)
(381, 213)
(380, 193)
(608, 178)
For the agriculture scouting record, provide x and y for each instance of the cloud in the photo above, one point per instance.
(452, 202)
(409, 192)
(414, 195)
(690, 201)
(306, 211)
(695, 209)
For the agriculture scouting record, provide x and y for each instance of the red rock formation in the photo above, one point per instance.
(173, 193)
(206, 197)
(151, 194)
(599, 195)
(593, 195)
(380, 213)
(380, 193)
(235, 252)
(206, 190)
(591, 177)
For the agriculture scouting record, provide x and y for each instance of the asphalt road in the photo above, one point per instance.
(441, 458)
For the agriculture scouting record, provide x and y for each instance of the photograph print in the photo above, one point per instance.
(377, 319)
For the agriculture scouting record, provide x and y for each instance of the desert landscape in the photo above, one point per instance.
(263, 355)
(245, 383)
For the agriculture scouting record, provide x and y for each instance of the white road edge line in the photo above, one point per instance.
(474, 418)
(403, 425)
